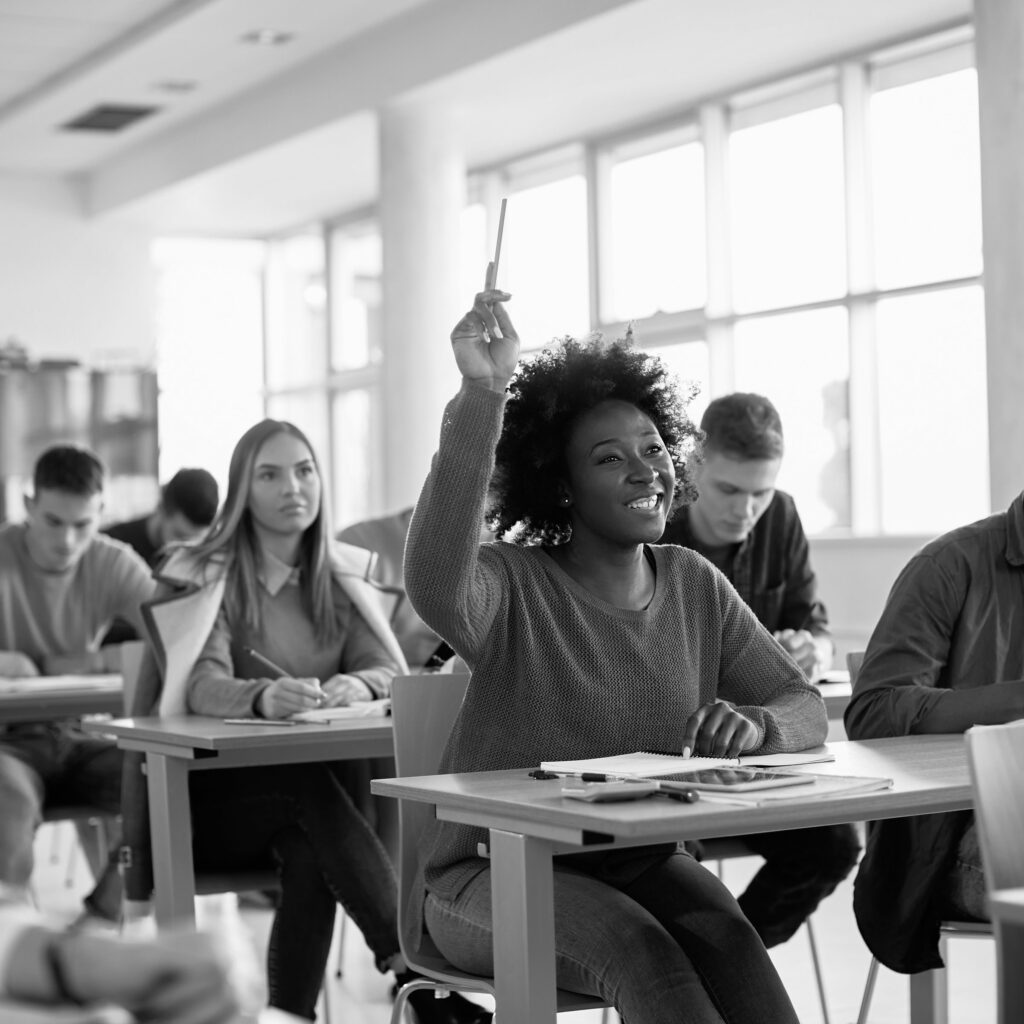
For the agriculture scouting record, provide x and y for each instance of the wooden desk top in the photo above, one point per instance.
(929, 773)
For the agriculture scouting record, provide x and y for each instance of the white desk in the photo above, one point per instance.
(530, 822)
(176, 746)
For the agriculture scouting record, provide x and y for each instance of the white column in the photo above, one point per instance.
(422, 194)
(999, 46)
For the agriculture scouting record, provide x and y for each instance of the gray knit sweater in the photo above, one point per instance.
(558, 673)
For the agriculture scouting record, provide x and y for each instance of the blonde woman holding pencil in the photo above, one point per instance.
(265, 618)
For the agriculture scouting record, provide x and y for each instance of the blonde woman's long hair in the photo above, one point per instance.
(232, 547)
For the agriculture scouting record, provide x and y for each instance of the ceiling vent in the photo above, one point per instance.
(108, 117)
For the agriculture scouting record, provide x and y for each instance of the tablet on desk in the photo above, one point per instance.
(735, 780)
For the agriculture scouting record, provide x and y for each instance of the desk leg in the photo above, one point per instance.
(1009, 949)
(170, 830)
(524, 928)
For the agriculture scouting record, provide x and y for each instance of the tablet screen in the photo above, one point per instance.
(734, 778)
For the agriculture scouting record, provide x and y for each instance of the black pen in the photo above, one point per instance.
(686, 796)
(540, 773)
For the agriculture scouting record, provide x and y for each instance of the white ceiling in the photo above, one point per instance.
(271, 137)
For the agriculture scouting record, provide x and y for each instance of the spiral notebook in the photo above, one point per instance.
(646, 764)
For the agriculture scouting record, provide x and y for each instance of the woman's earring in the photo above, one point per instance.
(565, 500)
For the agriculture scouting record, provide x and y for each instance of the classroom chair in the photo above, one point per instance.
(995, 757)
(929, 990)
(424, 708)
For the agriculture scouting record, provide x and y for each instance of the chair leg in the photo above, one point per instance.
(869, 991)
(406, 990)
(929, 997)
(819, 979)
(929, 992)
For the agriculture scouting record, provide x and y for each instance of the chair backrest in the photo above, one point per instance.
(995, 755)
(423, 708)
(854, 660)
(131, 652)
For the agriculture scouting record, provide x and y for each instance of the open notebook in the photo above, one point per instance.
(361, 709)
(645, 764)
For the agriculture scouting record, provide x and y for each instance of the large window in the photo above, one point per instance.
(786, 209)
(544, 252)
(209, 350)
(657, 260)
(817, 239)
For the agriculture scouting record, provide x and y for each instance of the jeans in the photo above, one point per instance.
(298, 819)
(51, 764)
(665, 945)
(801, 867)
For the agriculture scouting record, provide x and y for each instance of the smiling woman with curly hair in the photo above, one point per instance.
(546, 397)
(587, 638)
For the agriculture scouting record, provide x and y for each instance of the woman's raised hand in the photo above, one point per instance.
(485, 342)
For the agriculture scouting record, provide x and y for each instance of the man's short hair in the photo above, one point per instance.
(193, 493)
(743, 426)
(70, 468)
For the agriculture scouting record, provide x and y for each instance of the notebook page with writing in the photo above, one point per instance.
(640, 764)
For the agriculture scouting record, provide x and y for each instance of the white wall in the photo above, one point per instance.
(854, 577)
(71, 287)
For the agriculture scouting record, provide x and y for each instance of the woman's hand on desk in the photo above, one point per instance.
(285, 696)
(718, 730)
(341, 690)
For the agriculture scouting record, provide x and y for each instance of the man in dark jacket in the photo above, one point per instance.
(950, 631)
(753, 534)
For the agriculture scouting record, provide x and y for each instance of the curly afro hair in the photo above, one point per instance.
(546, 397)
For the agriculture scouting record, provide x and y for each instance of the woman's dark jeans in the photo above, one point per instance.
(298, 820)
(667, 945)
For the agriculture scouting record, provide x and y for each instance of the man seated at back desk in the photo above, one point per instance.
(61, 585)
(753, 534)
(947, 653)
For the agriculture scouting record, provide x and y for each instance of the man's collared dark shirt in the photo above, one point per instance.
(770, 569)
(953, 620)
